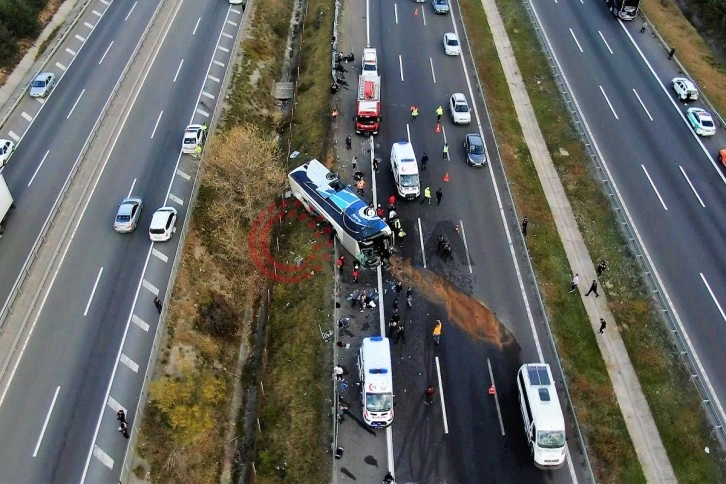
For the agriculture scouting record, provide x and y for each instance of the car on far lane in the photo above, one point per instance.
(685, 89)
(476, 153)
(127, 215)
(701, 121)
(42, 85)
(451, 44)
(162, 224)
(459, 109)
(6, 149)
(194, 136)
(440, 6)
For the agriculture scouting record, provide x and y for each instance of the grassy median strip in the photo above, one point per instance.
(681, 422)
(182, 438)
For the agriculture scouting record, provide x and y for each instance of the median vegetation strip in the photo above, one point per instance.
(182, 438)
(673, 400)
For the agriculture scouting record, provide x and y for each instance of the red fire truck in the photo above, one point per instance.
(368, 112)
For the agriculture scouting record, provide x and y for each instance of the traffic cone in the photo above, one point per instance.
(438, 128)
(415, 12)
(446, 176)
(492, 390)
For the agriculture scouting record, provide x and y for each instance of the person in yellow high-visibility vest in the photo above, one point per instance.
(414, 113)
(437, 331)
(427, 196)
(439, 113)
(198, 151)
(445, 151)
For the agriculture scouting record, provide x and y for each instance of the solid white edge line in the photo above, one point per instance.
(93, 292)
(420, 233)
(713, 296)
(642, 104)
(157, 124)
(650, 180)
(148, 255)
(441, 397)
(38, 169)
(605, 42)
(75, 104)
(466, 246)
(45, 424)
(688, 180)
(496, 397)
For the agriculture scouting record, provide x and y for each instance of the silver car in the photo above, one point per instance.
(440, 6)
(127, 216)
(42, 85)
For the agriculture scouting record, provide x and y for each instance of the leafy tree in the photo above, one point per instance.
(8, 46)
(20, 17)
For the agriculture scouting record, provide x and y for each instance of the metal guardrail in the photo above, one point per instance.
(160, 330)
(631, 235)
(535, 285)
(41, 239)
(19, 94)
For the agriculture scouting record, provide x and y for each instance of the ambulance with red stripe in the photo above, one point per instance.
(376, 379)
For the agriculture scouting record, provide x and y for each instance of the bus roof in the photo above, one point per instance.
(542, 395)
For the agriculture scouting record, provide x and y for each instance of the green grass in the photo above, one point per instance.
(682, 425)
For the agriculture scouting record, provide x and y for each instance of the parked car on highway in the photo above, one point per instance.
(722, 156)
(476, 153)
(42, 85)
(451, 44)
(162, 224)
(194, 135)
(369, 63)
(701, 121)
(127, 215)
(459, 109)
(440, 6)
(6, 149)
(685, 89)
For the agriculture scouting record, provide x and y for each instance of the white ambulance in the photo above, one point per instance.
(374, 367)
(405, 170)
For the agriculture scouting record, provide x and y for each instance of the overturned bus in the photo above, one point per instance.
(363, 233)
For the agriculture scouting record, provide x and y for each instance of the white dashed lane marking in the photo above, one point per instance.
(133, 366)
(160, 255)
(150, 287)
(60, 66)
(26, 116)
(70, 52)
(140, 323)
(103, 457)
(176, 199)
(184, 175)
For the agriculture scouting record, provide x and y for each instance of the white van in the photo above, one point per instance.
(370, 61)
(374, 367)
(405, 170)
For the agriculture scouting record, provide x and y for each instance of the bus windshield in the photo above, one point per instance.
(553, 439)
(379, 402)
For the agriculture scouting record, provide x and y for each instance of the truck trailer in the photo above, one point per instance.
(6, 204)
(368, 110)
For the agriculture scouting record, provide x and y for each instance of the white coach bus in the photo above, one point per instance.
(544, 424)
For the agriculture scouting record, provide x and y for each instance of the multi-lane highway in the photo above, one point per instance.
(90, 343)
(467, 442)
(666, 175)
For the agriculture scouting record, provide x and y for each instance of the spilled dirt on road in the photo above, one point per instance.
(463, 310)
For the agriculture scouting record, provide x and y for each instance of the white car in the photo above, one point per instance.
(195, 135)
(42, 85)
(451, 44)
(163, 224)
(6, 149)
(685, 89)
(459, 109)
(701, 121)
(370, 61)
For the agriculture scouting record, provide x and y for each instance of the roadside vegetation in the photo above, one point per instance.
(683, 427)
(216, 296)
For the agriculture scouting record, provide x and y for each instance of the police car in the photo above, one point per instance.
(701, 121)
(194, 137)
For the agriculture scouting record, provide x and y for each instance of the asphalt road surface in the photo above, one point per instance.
(62, 383)
(415, 71)
(667, 176)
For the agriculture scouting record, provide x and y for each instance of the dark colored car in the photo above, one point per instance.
(476, 152)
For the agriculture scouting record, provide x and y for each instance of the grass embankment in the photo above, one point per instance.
(182, 437)
(682, 425)
(691, 49)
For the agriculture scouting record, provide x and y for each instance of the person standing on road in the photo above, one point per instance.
(388, 478)
(400, 334)
(445, 151)
(424, 161)
(525, 222)
(356, 273)
(348, 143)
(573, 284)
(157, 303)
(427, 196)
(414, 113)
(440, 243)
(593, 288)
(398, 287)
(341, 263)
(121, 416)
(124, 429)
(409, 296)
(376, 162)
(437, 331)
(446, 251)
(603, 324)
(439, 113)
(360, 186)
(439, 196)
(429, 394)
